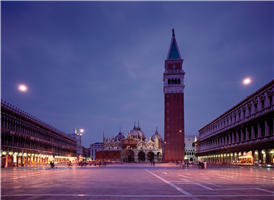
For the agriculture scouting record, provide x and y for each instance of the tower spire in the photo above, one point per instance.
(173, 52)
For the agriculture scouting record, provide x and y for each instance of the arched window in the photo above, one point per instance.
(172, 81)
(168, 81)
(176, 81)
(179, 81)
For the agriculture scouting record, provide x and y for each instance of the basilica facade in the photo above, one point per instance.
(133, 147)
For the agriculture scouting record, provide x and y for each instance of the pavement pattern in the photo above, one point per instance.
(136, 181)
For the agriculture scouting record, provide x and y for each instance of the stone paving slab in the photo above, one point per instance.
(136, 181)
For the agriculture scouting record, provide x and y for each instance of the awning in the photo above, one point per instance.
(248, 155)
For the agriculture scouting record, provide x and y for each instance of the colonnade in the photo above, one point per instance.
(259, 156)
(20, 159)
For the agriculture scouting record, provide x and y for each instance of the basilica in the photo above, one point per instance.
(133, 147)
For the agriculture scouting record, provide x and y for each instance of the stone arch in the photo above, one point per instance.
(141, 156)
(158, 156)
(128, 155)
(150, 156)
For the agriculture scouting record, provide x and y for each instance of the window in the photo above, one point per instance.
(179, 81)
(167, 96)
(168, 81)
(175, 81)
(167, 103)
(244, 113)
(167, 119)
(255, 108)
(270, 100)
(249, 110)
(167, 127)
(167, 111)
(262, 104)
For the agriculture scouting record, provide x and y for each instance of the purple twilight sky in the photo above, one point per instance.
(99, 65)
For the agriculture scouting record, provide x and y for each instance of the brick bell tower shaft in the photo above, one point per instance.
(173, 78)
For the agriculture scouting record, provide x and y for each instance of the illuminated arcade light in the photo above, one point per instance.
(22, 88)
(246, 81)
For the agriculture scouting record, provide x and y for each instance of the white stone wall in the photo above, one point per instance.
(189, 147)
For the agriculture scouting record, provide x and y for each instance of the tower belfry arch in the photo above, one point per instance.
(173, 78)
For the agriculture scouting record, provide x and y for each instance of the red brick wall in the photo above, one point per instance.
(108, 155)
(174, 135)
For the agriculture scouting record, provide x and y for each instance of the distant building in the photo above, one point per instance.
(28, 141)
(190, 148)
(174, 103)
(134, 147)
(85, 153)
(97, 146)
(78, 137)
(243, 133)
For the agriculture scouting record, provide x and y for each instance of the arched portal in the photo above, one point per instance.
(128, 156)
(158, 156)
(141, 156)
(150, 156)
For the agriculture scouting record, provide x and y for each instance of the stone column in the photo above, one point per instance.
(260, 156)
(246, 134)
(22, 158)
(252, 132)
(253, 157)
(7, 159)
(267, 160)
(259, 131)
(266, 128)
(237, 136)
(27, 160)
(1, 158)
(17, 164)
(12, 160)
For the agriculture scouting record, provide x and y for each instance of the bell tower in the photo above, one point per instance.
(173, 78)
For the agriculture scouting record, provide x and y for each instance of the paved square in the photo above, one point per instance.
(136, 181)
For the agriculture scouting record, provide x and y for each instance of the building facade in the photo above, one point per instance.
(246, 130)
(173, 78)
(190, 148)
(28, 141)
(78, 137)
(134, 147)
(97, 146)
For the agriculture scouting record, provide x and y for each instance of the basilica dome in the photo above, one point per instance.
(137, 133)
(160, 139)
(119, 137)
